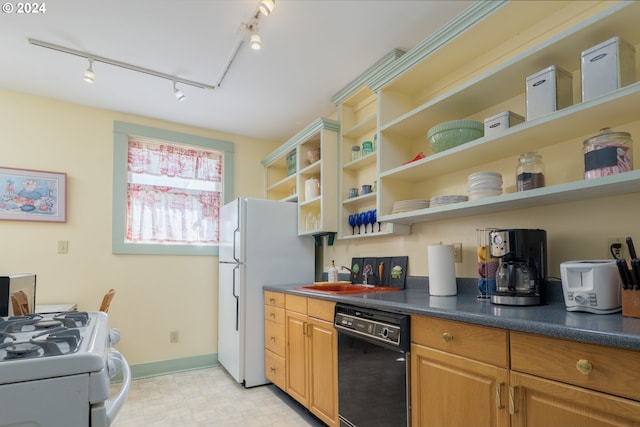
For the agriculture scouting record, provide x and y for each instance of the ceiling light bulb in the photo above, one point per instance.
(266, 6)
(89, 77)
(178, 93)
(256, 41)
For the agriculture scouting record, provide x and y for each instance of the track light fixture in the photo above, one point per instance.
(178, 93)
(255, 41)
(266, 6)
(89, 77)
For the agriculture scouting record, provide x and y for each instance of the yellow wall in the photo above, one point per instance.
(155, 294)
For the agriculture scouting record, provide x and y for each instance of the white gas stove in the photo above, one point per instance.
(55, 370)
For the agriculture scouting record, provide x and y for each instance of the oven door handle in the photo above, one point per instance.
(114, 405)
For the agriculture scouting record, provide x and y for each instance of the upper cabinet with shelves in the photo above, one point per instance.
(304, 170)
(358, 114)
(477, 73)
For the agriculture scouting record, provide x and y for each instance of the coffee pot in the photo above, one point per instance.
(522, 271)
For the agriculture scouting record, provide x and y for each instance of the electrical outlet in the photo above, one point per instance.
(63, 246)
(616, 248)
(457, 252)
(174, 337)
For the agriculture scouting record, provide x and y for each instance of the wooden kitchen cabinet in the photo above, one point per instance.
(274, 338)
(459, 374)
(558, 382)
(311, 356)
(317, 214)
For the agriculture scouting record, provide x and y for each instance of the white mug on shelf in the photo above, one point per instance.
(311, 188)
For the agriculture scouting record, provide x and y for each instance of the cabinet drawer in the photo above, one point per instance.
(482, 343)
(275, 314)
(275, 299)
(608, 369)
(321, 309)
(274, 369)
(295, 303)
(274, 337)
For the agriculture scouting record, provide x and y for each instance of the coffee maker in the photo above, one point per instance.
(522, 271)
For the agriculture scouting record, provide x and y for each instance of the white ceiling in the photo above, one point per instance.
(311, 50)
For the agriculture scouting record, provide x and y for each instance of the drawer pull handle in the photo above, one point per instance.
(272, 300)
(499, 404)
(584, 367)
(447, 337)
(273, 315)
(512, 398)
(273, 339)
(273, 370)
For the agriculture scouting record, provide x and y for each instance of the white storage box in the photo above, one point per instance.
(607, 67)
(548, 90)
(500, 122)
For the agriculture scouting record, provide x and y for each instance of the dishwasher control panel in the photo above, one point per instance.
(389, 328)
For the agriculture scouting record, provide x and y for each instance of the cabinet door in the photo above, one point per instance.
(296, 356)
(544, 403)
(449, 390)
(323, 371)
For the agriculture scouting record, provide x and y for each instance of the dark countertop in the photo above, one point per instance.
(550, 320)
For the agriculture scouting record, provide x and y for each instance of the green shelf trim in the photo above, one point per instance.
(315, 127)
(369, 74)
(461, 23)
(331, 237)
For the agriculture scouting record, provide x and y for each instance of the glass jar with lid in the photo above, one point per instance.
(608, 153)
(530, 172)
(355, 153)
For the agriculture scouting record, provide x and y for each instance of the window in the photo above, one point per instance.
(168, 188)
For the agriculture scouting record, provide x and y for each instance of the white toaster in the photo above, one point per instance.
(593, 286)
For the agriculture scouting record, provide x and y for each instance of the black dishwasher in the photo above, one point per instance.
(373, 367)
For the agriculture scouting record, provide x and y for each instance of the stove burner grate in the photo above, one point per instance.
(16, 323)
(5, 336)
(47, 324)
(22, 350)
(72, 319)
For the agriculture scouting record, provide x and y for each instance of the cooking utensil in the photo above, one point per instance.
(632, 249)
(635, 266)
(624, 272)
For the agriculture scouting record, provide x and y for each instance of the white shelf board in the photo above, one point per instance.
(612, 185)
(509, 79)
(610, 110)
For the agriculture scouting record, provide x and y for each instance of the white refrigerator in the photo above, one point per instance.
(259, 245)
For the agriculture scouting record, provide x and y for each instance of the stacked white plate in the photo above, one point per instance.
(409, 205)
(447, 200)
(484, 184)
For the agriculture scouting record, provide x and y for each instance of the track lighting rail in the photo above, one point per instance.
(102, 59)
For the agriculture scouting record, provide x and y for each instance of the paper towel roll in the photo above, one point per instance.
(442, 271)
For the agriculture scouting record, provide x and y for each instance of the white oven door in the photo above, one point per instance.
(52, 402)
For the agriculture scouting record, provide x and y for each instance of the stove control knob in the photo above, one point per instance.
(114, 336)
(384, 333)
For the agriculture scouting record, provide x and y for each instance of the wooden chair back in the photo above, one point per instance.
(106, 300)
(20, 303)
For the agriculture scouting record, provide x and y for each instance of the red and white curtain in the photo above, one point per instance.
(174, 193)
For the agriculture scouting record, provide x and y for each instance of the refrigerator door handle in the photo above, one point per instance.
(236, 296)
(235, 233)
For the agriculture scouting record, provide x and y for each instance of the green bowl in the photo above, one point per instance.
(451, 134)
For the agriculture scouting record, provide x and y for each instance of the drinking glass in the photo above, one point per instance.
(352, 223)
(371, 218)
(361, 219)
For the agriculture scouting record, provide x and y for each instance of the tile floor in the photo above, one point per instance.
(208, 397)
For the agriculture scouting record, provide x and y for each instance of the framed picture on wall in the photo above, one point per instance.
(32, 195)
